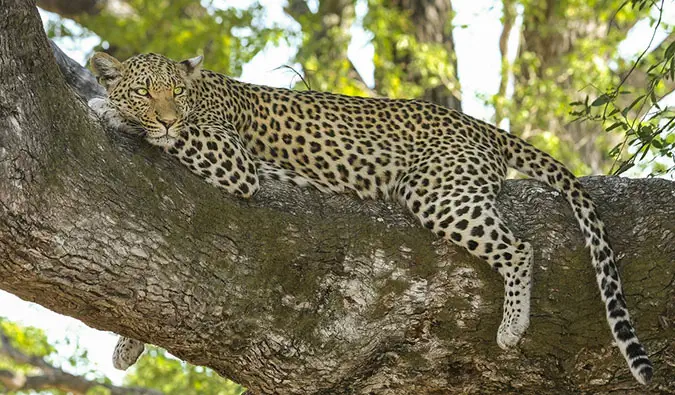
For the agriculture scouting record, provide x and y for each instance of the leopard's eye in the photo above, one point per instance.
(178, 90)
(142, 92)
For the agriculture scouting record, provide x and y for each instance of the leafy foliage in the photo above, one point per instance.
(404, 66)
(33, 342)
(568, 46)
(646, 127)
(155, 370)
(180, 29)
(29, 340)
(171, 376)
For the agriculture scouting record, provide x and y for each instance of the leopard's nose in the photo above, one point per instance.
(167, 122)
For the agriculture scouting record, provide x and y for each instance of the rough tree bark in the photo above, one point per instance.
(296, 292)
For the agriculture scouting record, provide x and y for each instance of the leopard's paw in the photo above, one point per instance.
(126, 352)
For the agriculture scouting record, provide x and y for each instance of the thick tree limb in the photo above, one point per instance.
(74, 9)
(51, 377)
(298, 292)
(70, 8)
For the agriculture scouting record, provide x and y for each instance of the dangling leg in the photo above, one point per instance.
(517, 259)
(127, 351)
(471, 221)
(488, 238)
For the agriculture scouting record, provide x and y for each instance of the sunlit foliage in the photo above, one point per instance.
(171, 376)
(180, 29)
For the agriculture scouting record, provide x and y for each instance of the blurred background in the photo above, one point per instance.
(589, 81)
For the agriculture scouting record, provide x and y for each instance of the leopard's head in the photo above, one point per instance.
(150, 91)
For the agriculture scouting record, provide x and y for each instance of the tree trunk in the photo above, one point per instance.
(326, 37)
(508, 20)
(430, 25)
(431, 20)
(549, 35)
(296, 292)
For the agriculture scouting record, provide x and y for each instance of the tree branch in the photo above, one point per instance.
(638, 78)
(70, 8)
(52, 377)
(299, 292)
(74, 9)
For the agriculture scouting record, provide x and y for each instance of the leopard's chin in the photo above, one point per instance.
(160, 140)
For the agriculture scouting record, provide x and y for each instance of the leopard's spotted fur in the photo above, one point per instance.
(444, 166)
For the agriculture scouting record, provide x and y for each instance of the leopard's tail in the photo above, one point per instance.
(541, 166)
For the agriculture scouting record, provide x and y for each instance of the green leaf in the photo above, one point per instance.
(670, 51)
(614, 126)
(630, 106)
(603, 99)
(655, 101)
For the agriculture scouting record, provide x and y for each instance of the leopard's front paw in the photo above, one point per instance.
(109, 115)
(126, 352)
(98, 105)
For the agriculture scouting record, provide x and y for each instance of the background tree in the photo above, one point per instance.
(29, 363)
(414, 50)
(567, 50)
(634, 107)
(228, 38)
(325, 38)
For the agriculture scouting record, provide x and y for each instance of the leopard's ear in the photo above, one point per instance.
(107, 69)
(191, 67)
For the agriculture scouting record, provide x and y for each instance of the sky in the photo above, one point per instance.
(479, 75)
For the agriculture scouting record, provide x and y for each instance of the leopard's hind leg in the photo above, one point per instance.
(461, 210)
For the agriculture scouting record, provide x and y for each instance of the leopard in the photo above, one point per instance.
(443, 165)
